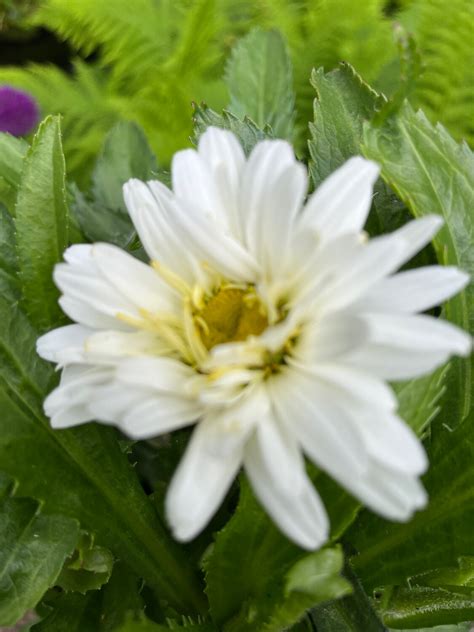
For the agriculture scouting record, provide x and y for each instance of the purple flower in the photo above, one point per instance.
(19, 112)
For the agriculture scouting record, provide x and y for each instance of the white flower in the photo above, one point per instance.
(270, 326)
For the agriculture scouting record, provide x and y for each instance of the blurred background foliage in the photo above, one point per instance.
(100, 61)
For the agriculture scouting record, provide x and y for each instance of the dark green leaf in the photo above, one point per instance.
(142, 624)
(33, 549)
(246, 130)
(432, 174)
(259, 77)
(42, 224)
(82, 472)
(353, 613)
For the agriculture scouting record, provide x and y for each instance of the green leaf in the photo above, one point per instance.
(259, 77)
(419, 399)
(89, 568)
(97, 611)
(248, 132)
(102, 214)
(42, 224)
(353, 613)
(12, 153)
(9, 285)
(126, 154)
(142, 624)
(254, 574)
(389, 553)
(34, 547)
(313, 579)
(81, 472)
(424, 607)
(343, 102)
(432, 174)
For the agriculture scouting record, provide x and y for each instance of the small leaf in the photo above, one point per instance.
(89, 568)
(12, 153)
(259, 77)
(42, 224)
(248, 132)
(34, 547)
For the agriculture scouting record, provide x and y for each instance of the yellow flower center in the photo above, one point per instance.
(230, 315)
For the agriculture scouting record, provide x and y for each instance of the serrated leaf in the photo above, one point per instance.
(389, 553)
(126, 154)
(421, 606)
(34, 547)
(42, 224)
(88, 568)
(251, 572)
(248, 132)
(79, 470)
(97, 611)
(343, 102)
(432, 174)
(259, 77)
(102, 214)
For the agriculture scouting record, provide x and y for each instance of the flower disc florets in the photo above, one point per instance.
(270, 322)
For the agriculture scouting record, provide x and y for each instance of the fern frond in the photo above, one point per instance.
(445, 37)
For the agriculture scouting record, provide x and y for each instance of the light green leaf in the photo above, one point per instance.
(424, 607)
(432, 174)
(81, 473)
(313, 579)
(89, 567)
(34, 547)
(248, 132)
(126, 154)
(254, 573)
(12, 153)
(389, 553)
(343, 102)
(9, 284)
(42, 224)
(259, 77)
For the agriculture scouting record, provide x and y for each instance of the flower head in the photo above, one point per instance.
(19, 112)
(268, 323)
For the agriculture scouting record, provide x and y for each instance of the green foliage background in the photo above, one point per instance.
(83, 539)
(151, 58)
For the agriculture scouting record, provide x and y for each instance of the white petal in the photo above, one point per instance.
(199, 485)
(391, 442)
(325, 432)
(417, 234)
(342, 202)
(108, 346)
(151, 208)
(273, 188)
(135, 280)
(390, 493)
(414, 290)
(159, 374)
(301, 516)
(64, 345)
(418, 332)
(82, 313)
(157, 415)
